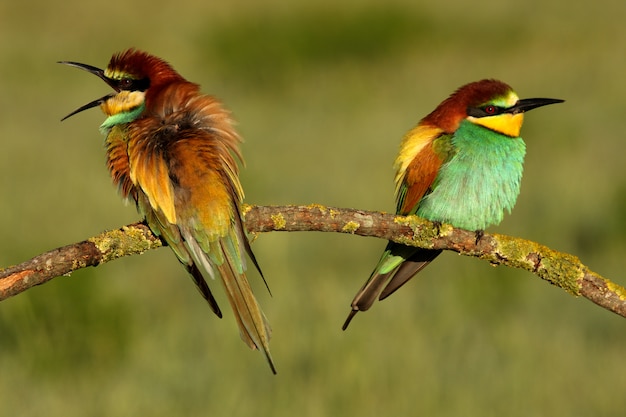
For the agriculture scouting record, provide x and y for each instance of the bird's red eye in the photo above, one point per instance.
(125, 83)
(490, 109)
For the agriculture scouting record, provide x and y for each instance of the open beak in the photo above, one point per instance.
(98, 72)
(532, 103)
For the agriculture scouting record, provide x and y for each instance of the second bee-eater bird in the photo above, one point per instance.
(461, 165)
(172, 151)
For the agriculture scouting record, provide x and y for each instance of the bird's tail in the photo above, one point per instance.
(253, 325)
(203, 287)
(397, 265)
(224, 258)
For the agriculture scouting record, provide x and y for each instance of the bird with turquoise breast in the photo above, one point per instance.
(461, 165)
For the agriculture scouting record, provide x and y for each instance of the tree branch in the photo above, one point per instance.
(560, 269)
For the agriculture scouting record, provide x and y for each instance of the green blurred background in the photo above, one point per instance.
(323, 94)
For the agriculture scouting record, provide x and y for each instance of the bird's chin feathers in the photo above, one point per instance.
(507, 124)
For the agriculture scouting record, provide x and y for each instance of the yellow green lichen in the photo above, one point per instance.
(252, 237)
(245, 208)
(121, 242)
(320, 207)
(616, 289)
(562, 270)
(350, 227)
(423, 230)
(279, 221)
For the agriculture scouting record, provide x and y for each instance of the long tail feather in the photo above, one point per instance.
(253, 326)
(366, 296)
(203, 287)
(397, 265)
(242, 238)
(409, 268)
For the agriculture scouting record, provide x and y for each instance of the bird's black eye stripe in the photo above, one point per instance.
(485, 111)
(131, 84)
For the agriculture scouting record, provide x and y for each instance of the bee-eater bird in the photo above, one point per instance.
(172, 151)
(461, 165)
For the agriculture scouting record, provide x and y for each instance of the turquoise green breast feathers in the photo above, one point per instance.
(462, 165)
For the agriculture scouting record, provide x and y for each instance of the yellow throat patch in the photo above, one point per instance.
(507, 123)
(123, 101)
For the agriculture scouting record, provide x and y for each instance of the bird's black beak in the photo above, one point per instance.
(98, 72)
(527, 104)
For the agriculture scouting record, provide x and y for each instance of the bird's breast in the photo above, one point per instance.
(116, 144)
(479, 183)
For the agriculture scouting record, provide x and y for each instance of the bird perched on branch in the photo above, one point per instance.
(462, 165)
(173, 151)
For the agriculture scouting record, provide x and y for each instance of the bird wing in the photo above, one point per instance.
(170, 233)
(208, 196)
(418, 180)
(416, 167)
(422, 152)
(150, 173)
(192, 199)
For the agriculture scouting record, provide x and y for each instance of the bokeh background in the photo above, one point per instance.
(323, 92)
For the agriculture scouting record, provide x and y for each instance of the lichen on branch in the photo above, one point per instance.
(560, 269)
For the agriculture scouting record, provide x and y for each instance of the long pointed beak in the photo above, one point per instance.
(527, 104)
(100, 74)
(94, 103)
(93, 70)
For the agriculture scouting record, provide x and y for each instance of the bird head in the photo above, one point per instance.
(133, 75)
(489, 103)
